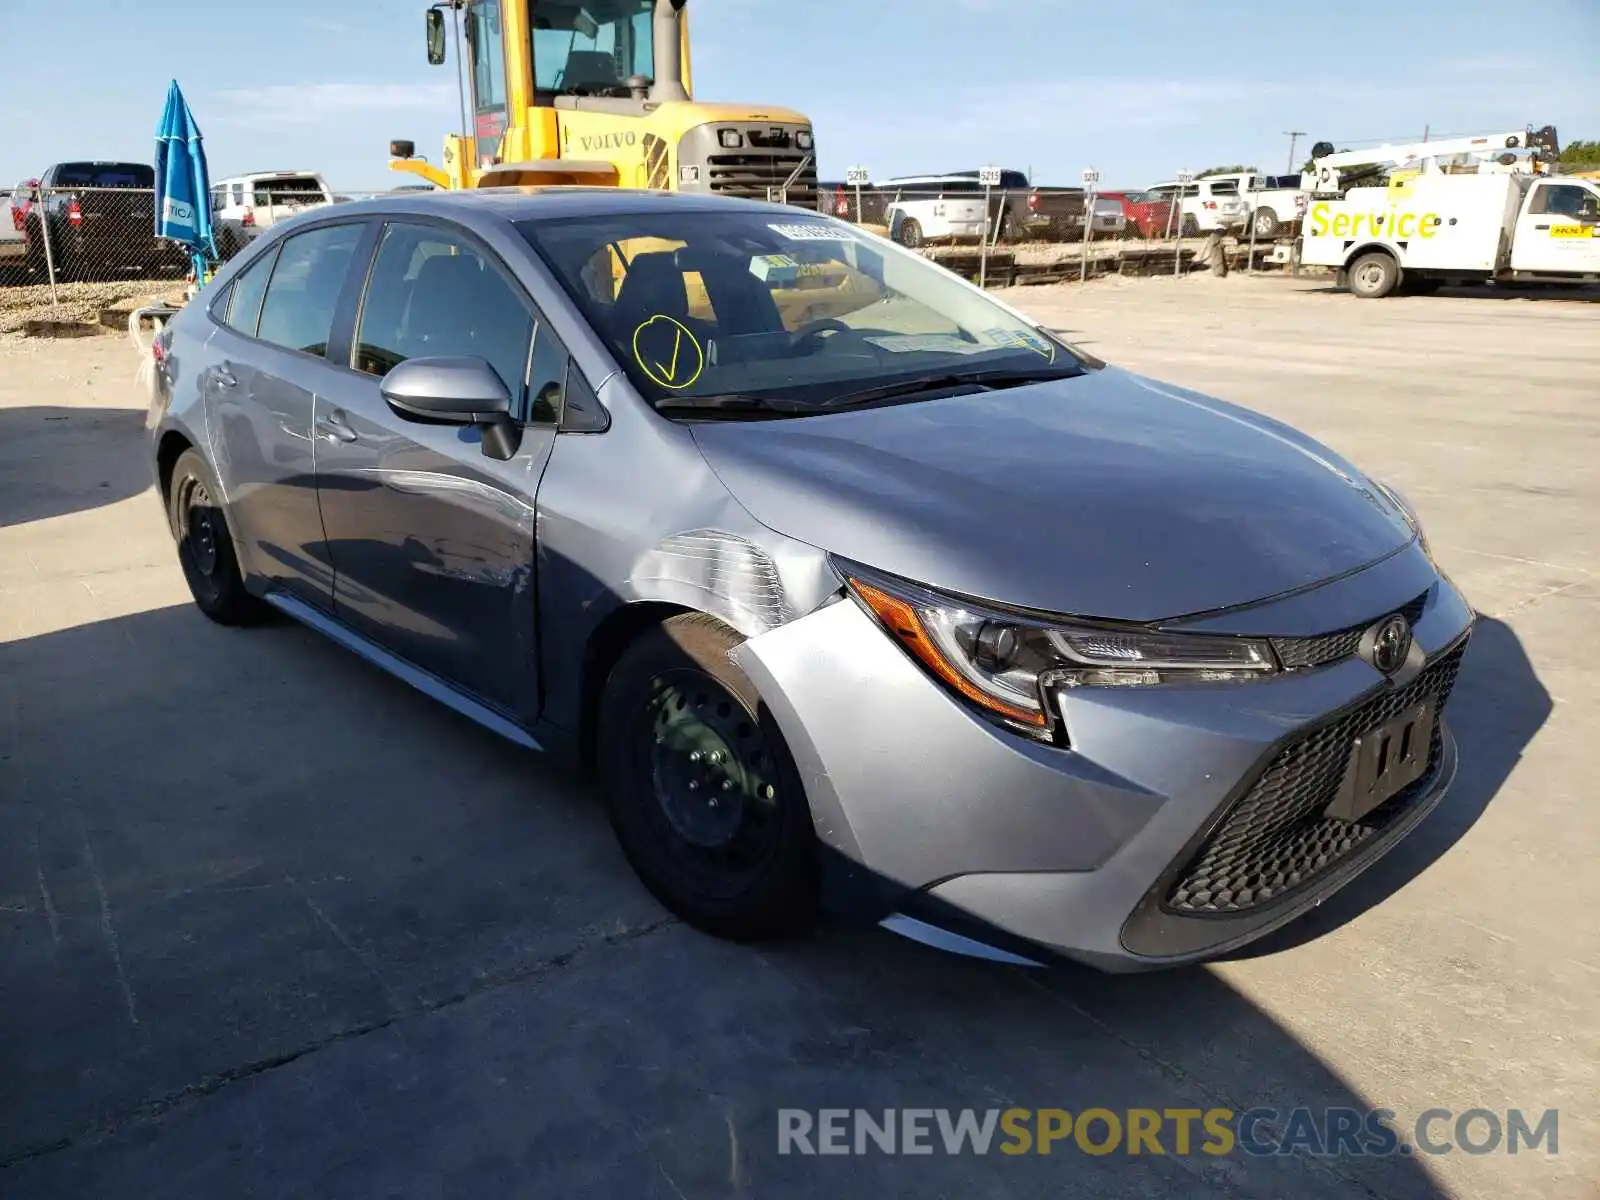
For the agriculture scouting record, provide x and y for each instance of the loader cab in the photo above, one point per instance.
(614, 57)
(600, 93)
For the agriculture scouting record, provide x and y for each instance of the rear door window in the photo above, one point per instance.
(1225, 187)
(303, 296)
(433, 293)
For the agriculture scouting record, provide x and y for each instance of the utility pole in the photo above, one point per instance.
(1425, 130)
(1294, 135)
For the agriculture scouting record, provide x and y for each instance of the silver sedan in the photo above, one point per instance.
(852, 585)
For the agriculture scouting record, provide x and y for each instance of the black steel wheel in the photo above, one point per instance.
(205, 546)
(700, 786)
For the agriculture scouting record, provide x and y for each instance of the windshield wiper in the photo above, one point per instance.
(995, 377)
(731, 404)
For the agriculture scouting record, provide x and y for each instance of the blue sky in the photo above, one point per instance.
(1138, 88)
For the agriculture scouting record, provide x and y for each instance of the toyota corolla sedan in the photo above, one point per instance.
(851, 584)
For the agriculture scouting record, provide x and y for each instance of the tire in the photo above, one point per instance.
(1006, 232)
(205, 546)
(1264, 223)
(701, 789)
(911, 233)
(1190, 226)
(1374, 275)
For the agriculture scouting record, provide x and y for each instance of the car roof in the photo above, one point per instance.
(556, 202)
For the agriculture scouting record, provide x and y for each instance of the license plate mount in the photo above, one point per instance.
(1384, 761)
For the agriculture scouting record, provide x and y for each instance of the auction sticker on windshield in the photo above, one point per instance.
(812, 232)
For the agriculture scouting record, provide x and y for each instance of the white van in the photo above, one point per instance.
(928, 208)
(244, 205)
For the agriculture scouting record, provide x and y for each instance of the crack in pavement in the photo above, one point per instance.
(155, 1109)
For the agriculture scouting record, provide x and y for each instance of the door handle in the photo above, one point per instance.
(1541, 227)
(335, 428)
(226, 378)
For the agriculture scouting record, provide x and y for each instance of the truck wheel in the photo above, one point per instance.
(1374, 275)
(700, 787)
(910, 233)
(1190, 226)
(1265, 223)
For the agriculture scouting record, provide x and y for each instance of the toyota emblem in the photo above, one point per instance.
(1391, 643)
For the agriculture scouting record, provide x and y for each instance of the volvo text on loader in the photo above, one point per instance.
(600, 93)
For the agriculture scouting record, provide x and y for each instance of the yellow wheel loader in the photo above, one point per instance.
(600, 93)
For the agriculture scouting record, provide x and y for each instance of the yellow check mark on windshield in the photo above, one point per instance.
(669, 371)
(687, 357)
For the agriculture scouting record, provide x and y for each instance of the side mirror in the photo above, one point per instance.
(455, 391)
(435, 37)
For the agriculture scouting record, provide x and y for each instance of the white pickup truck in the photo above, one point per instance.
(1426, 229)
(244, 206)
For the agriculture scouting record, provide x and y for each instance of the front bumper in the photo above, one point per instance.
(930, 811)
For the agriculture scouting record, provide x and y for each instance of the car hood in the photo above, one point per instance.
(1106, 495)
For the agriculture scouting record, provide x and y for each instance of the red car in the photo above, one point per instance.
(1151, 217)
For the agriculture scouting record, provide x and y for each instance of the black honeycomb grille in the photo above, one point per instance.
(1319, 651)
(1275, 839)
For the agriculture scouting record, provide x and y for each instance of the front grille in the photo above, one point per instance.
(1275, 839)
(751, 175)
(1319, 651)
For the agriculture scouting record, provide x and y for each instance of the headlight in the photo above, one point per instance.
(1008, 663)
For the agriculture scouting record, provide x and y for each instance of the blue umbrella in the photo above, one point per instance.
(183, 188)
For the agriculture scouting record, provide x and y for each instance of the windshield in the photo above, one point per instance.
(765, 305)
(590, 47)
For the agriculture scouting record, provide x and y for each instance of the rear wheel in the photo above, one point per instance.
(205, 547)
(700, 787)
(1265, 223)
(1374, 275)
(1190, 226)
(911, 233)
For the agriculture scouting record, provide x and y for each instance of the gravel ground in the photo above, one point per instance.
(79, 302)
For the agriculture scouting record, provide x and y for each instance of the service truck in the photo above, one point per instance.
(1468, 216)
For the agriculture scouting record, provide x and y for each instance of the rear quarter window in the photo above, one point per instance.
(242, 312)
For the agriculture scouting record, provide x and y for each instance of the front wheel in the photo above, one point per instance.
(1373, 276)
(700, 787)
(1265, 223)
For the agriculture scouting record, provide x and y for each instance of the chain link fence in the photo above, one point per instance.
(65, 250)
